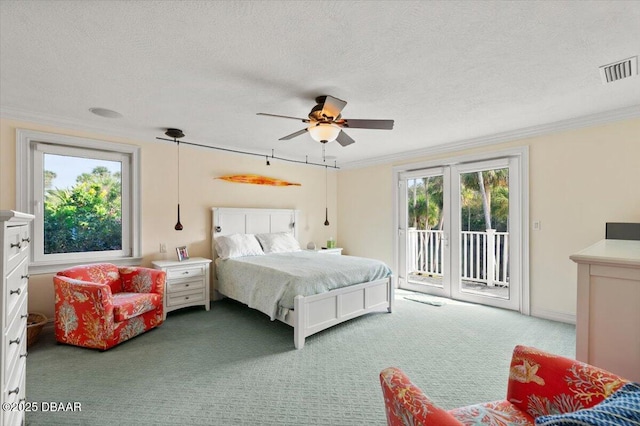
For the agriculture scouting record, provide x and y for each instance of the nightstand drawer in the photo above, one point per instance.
(185, 272)
(186, 297)
(180, 286)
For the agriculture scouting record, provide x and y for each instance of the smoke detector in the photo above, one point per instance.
(619, 70)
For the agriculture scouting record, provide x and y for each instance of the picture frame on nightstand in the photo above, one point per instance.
(183, 254)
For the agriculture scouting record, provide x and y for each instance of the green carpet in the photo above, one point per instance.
(232, 366)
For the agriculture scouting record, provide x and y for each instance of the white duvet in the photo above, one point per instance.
(269, 283)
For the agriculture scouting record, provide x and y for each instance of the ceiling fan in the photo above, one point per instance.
(326, 122)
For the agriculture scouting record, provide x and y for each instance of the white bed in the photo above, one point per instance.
(313, 313)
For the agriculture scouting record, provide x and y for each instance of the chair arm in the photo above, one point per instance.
(405, 403)
(541, 383)
(78, 292)
(137, 279)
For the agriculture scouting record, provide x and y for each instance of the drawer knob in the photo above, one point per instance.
(12, 245)
(25, 276)
(16, 341)
(186, 285)
(24, 316)
(185, 273)
(26, 354)
(18, 291)
(16, 390)
(26, 240)
(186, 298)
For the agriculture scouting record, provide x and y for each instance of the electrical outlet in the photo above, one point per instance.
(163, 248)
(537, 225)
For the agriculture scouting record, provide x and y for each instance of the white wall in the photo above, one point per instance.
(579, 180)
(199, 193)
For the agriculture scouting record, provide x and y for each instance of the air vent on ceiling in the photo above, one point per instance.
(619, 70)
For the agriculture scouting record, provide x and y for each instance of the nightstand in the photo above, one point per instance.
(335, 250)
(187, 283)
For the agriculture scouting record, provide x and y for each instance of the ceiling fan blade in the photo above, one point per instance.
(344, 139)
(365, 124)
(304, 120)
(293, 135)
(332, 107)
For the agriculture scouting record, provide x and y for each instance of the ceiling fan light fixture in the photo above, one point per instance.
(323, 132)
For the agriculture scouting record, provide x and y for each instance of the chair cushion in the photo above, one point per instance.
(129, 305)
(102, 273)
(492, 413)
(621, 408)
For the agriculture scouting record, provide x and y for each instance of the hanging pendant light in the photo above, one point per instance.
(177, 133)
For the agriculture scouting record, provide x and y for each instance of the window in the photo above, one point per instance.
(84, 195)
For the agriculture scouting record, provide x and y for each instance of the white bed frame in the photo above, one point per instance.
(311, 314)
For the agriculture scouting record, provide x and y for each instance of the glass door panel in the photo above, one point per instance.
(483, 214)
(425, 239)
(484, 235)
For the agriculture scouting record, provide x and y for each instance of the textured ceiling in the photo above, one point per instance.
(445, 71)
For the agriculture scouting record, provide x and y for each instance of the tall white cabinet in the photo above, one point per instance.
(14, 268)
(608, 307)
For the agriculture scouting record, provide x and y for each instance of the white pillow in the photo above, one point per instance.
(237, 245)
(279, 242)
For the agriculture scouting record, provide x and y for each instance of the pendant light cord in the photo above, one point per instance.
(178, 142)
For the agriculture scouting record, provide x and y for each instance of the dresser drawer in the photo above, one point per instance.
(16, 243)
(16, 289)
(184, 285)
(16, 387)
(13, 391)
(185, 272)
(186, 297)
(15, 344)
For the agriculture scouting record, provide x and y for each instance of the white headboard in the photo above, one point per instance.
(227, 221)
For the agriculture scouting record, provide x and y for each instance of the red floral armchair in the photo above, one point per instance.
(539, 384)
(101, 305)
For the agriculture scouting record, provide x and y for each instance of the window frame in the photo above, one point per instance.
(30, 149)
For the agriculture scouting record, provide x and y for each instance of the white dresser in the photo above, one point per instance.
(187, 283)
(14, 233)
(608, 307)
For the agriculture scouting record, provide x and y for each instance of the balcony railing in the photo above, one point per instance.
(425, 252)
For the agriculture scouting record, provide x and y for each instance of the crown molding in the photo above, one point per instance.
(512, 135)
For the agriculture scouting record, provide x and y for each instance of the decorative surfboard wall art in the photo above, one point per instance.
(257, 180)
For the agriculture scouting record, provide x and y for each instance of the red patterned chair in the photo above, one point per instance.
(540, 384)
(101, 305)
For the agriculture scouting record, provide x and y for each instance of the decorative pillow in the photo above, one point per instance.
(237, 245)
(621, 408)
(279, 242)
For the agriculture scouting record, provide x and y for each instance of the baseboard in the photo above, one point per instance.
(553, 315)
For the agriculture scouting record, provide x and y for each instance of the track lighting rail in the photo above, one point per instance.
(310, 163)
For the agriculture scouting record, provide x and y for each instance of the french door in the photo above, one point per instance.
(460, 231)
